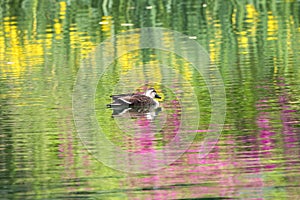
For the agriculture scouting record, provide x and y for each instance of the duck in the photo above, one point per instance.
(138, 101)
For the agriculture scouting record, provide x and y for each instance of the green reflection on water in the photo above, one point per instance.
(255, 45)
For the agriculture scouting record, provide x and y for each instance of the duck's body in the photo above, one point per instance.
(133, 100)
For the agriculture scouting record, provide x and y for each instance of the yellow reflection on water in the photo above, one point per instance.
(272, 27)
(106, 25)
(252, 18)
(62, 10)
(12, 52)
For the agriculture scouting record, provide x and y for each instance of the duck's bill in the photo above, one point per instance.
(157, 96)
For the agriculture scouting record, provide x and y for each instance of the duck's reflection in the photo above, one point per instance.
(150, 112)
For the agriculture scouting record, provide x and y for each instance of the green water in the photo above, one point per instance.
(46, 45)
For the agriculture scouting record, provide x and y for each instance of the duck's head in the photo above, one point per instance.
(152, 93)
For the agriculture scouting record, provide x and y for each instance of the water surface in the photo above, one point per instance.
(254, 45)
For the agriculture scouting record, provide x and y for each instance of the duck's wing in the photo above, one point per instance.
(117, 96)
(139, 100)
(135, 99)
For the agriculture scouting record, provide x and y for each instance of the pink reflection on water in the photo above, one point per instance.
(289, 119)
(145, 138)
(200, 131)
(194, 178)
(264, 124)
(236, 167)
(266, 133)
(267, 122)
(67, 155)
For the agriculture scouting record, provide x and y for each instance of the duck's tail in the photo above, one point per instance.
(108, 105)
(119, 103)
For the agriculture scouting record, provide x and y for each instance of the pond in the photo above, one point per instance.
(226, 125)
